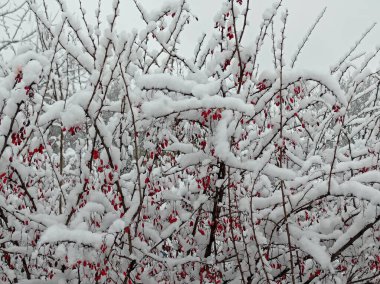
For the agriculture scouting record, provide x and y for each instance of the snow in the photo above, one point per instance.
(177, 84)
(358, 190)
(60, 233)
(181, 147)
(359, 223)
(31, 72)
(73, 115)
(318, 252)
(368, 177)
(52, 112)
(117, 226)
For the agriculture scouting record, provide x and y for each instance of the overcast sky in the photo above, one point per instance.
(343, 24)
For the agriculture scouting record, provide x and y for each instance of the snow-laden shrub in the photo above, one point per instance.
(122, 161)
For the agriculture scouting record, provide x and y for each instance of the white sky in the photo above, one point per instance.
(343, 24)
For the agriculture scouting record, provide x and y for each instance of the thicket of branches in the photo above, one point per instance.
(122, 161)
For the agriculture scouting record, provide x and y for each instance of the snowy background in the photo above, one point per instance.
(343, 24)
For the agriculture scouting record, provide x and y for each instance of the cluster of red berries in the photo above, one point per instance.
(204, 182)
(315, 274)
(261, 85)
(216, 115)
(172, 219)
(29, 91)
(230, 34)
(375, 265)
(18, 137)
(226, 64)
(208, 274)
(72, 130)
(297, 90)
(335, 108)
(18, 76)
(40, 149)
